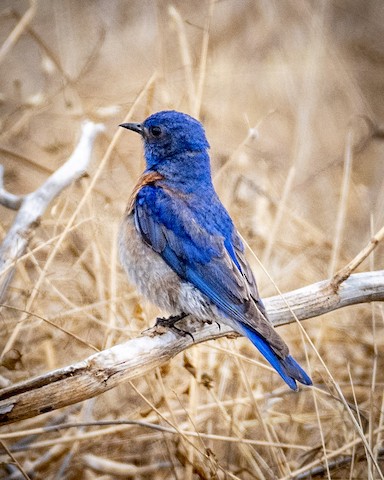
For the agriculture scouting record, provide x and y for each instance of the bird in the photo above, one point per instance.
(179, 246)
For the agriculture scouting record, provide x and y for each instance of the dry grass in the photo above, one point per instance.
(305, 188)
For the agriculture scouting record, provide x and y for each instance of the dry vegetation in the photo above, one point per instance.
(305, 186)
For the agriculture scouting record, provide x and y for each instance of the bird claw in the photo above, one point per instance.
(209, 322)
(170, 323)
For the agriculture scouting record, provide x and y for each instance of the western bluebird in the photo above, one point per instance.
(179, 246)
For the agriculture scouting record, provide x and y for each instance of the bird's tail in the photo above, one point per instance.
(287, 367)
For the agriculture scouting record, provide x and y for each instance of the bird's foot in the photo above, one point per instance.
(170, 323)
(209, 322)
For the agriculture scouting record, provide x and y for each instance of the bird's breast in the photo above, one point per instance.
(155, 280)
(146, 269)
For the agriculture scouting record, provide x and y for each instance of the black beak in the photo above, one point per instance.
(135, 127)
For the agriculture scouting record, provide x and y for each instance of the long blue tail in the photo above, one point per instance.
(287, 368)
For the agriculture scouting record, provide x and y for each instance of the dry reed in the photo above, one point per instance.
(304, 186)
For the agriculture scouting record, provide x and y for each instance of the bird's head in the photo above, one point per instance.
(170, 136)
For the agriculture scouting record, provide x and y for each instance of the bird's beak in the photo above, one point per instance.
(135, 127)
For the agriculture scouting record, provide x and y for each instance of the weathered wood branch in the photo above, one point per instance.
(104, 370)
(32, 206)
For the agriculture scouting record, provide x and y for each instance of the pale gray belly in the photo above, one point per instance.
(156, 280)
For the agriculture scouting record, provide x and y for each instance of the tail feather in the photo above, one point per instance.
(287, 367)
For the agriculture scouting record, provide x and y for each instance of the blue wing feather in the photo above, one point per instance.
(212, 260)
(287, 368)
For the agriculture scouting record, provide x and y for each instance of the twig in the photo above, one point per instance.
(346, 271)
(185, 53)
(341, 213)
(203, 62)
(320, 470)
(7, 199)
(15, 461)
(16, 33)
(333, 465)
(119, 469)
(104, 370)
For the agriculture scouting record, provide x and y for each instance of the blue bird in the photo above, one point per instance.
(179, 246)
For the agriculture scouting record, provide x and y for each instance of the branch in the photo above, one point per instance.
(104, 370)
(346, 271)
(32, 206)
(7, 199)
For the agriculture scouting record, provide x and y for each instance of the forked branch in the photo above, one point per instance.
(32, 206)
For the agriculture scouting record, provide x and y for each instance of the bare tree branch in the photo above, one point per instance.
(32, 206)
(346, 271)
(104, 370)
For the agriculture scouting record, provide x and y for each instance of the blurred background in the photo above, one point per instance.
(291, 96)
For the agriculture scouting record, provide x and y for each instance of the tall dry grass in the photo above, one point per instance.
(289, 93)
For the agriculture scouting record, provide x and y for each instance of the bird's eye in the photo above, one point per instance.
(155, 131)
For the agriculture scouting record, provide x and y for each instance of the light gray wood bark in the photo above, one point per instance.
(104, 370)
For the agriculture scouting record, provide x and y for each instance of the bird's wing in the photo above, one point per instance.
(212, 263)
(246, 270)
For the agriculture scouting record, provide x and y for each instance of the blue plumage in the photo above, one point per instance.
(287, 368)
(197, 264)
